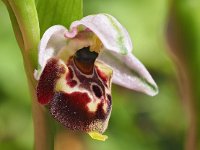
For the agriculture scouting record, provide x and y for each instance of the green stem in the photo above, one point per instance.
(25, 23)
(26, 26)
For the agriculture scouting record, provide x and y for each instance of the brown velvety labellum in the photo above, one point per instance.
(76, 92)
(46, 84)
(71, 110)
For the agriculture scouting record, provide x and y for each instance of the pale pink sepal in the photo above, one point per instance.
(51, 43)
(129, 72)
(110, 32)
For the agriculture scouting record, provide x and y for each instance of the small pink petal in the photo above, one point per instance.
(71, 34)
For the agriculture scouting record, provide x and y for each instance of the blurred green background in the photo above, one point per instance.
(138, 122)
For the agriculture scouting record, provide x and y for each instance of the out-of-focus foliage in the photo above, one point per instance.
(58, 12)
(184, 36)
(137, 122)
(16, 130)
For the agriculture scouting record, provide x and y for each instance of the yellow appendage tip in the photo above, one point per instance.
(98, 136)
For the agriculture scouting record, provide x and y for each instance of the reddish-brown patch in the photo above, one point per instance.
(69, 78)
(70, 74)
(72, 83)
(48, 78)
(102, 75)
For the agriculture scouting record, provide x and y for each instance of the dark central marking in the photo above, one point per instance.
(84, 59)
(86, 82)
(97, 91)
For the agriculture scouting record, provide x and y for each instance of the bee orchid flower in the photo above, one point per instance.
(77, 67)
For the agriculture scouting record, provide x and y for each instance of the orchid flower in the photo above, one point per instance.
(77, 67)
